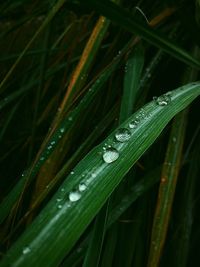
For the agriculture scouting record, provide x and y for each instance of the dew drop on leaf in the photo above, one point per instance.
(26, 250)
(163, 100)
(122, 135)
(174, 139)
(82, 187)
(110, 154)
(133, 124)
(74, 196)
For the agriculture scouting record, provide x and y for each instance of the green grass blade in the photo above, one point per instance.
(12, 197)
(186, 213)
(167, 189)
(97, 237)
(75, 203)
(126, 20)
(136, 191)
(9, 119)
(49, 17)
(133, 71)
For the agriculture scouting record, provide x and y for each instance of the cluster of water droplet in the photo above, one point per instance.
(122, 135)
(74, 195)
(110, 153)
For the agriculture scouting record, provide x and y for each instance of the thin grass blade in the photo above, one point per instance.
(126, 20)
(167, 189)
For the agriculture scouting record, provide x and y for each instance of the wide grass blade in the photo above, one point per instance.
(132, 75)
(75, 203)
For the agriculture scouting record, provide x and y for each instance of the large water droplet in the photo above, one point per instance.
(110, 154)
(133, 124)
(122, 135)
(74, 196)
(163, 100)
(26, 250)
(82, 187)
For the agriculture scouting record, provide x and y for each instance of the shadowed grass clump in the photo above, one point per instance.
(99, 133)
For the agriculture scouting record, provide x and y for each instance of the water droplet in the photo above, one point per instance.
(53, 143)
(72, 172)
(74, 196)
(174, 139)
(59, 206)
(133, 124)
(110, 154)
(58, 199)
(93, 175)
(26, 250)
(163, 100)
(62, 189)
(122, 135)
(62, 130)
(82, 187)
(70, 118)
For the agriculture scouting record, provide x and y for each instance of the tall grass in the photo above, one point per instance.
(99, 133)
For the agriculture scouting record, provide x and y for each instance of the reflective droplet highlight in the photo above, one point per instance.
(174, 139)
(122, 135)
(74, 196)
(26, 250)
(82, 187)
(133, 124)
(110, 155)
(163, 100)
